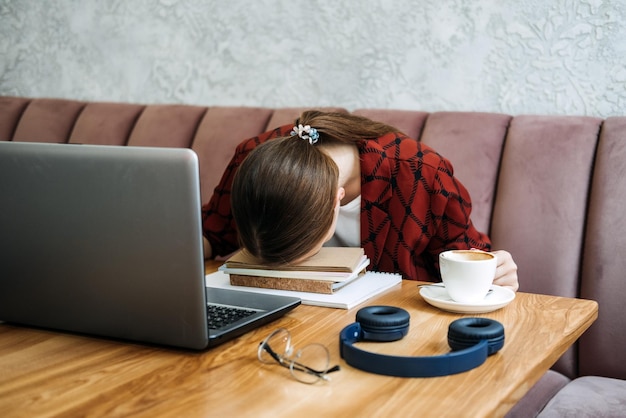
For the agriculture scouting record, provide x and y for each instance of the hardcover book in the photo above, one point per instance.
(326, 272)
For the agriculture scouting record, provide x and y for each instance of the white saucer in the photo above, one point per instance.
(438, 297)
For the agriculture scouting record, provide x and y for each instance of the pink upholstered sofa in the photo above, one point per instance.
(550, 189)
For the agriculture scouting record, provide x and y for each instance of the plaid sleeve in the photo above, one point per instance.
(413, 207)
(451, 208)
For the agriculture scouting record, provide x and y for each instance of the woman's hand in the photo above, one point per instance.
(506, 271)
(208, 250)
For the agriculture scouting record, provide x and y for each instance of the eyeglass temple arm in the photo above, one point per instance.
(272, 353)
(301, 367)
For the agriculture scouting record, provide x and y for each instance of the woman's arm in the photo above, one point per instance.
(456, 216)
(208, 251)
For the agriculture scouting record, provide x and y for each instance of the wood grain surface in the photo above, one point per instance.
(46, 373)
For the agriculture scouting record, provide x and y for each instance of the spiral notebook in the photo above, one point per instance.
(365, 288)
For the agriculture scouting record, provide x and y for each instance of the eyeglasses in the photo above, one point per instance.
(308, 365)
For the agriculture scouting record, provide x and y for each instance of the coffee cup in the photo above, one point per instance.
(467, 274)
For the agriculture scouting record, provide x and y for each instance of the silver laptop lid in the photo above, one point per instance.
(91, 237)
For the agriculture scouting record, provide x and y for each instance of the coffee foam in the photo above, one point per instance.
(467, 255)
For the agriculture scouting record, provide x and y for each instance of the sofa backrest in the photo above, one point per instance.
(603, 275)
(549, 189)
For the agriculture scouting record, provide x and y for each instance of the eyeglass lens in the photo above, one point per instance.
(275, 347)
(310, 363)
(307, 365)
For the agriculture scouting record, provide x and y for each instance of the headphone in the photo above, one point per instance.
(471, 340)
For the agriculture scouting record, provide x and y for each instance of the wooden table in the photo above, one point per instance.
(45, 373)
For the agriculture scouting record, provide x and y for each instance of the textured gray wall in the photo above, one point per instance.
(510, 56)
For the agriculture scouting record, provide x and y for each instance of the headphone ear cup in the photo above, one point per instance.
(383, 323)
(467, 332)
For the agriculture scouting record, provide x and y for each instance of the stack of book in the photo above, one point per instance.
(328, 271)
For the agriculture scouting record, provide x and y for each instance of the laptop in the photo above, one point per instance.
(107, 241)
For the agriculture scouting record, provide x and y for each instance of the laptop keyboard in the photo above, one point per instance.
(219, 315)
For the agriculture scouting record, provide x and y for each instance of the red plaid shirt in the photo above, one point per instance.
(412, 206)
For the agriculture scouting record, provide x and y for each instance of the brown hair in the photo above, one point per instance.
(283, 194)
(343, 127)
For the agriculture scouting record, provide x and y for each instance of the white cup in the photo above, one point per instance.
(467, 274)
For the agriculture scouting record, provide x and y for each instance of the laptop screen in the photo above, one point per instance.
(103, 240)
